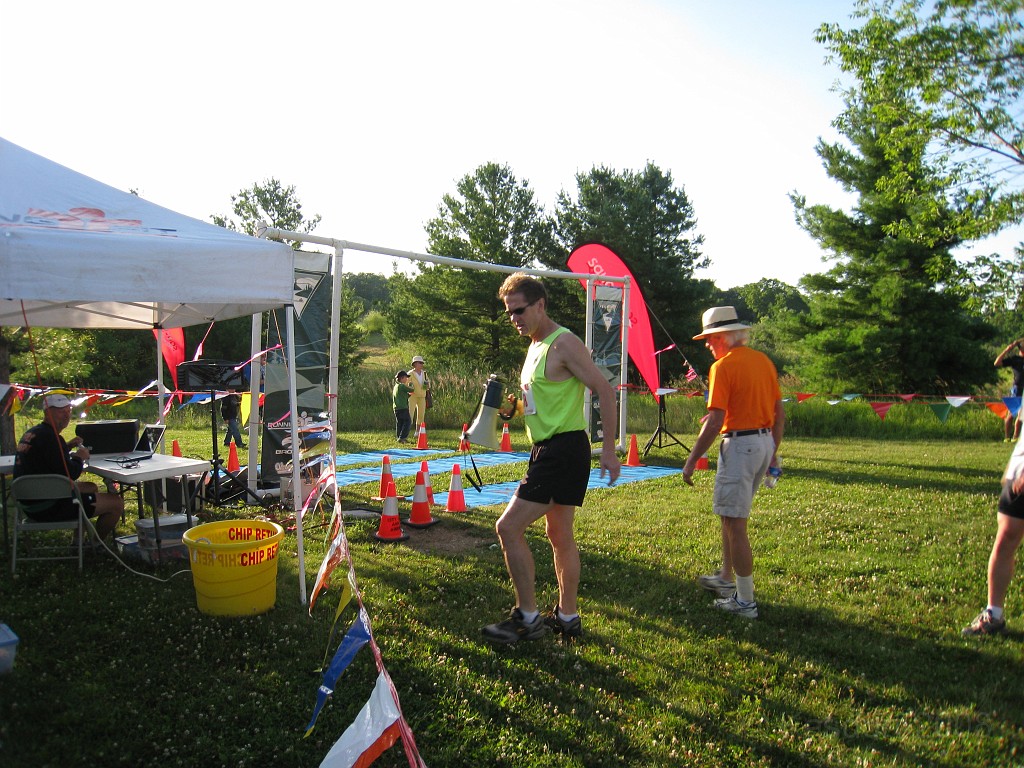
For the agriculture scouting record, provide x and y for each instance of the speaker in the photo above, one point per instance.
(196, 375)
(154, 496)
(483, 431)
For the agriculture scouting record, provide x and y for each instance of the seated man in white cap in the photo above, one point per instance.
(42, 451)
(745, 407)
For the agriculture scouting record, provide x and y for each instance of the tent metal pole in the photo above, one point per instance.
(255, 379)
(297, 500)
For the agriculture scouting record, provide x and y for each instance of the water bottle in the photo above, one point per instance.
(774, 473)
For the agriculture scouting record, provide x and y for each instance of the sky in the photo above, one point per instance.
(374, 111)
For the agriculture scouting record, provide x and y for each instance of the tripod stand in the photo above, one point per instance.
(662, 431)
(217, 462)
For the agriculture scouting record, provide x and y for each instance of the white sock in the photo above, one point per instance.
(567, 616)
(996, 611)
(529, 616)
(745, 588)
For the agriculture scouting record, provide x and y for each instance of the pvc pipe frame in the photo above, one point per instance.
(339, 246)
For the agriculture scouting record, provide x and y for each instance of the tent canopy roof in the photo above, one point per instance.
(76, 253)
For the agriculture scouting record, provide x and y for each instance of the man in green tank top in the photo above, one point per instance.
(558, 368)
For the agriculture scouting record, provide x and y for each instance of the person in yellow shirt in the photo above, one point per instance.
(745, 407)
(420, 386)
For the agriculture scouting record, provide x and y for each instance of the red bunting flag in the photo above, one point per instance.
(882, 409)
(907, 398)
(999, 409)
(801, 396)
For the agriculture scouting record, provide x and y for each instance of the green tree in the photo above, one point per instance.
(445, 311)
(651, 225)
(769, 304)
(371, 288)
(267, 203)
(958, 69)
(882, 319)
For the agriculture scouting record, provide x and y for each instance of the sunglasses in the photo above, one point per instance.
(519, 310)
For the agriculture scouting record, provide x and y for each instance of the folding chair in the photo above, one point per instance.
(36, 491)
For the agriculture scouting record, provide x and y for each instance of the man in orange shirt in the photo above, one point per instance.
(745, 407)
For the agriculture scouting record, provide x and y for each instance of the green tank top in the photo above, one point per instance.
(550, 407)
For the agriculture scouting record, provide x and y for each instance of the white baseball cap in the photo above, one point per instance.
(56, 401)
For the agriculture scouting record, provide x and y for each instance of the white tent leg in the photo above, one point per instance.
(297, 500)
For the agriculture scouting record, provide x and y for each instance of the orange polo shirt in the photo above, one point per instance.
(744, 384)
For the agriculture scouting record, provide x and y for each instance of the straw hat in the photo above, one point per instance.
(719, 320)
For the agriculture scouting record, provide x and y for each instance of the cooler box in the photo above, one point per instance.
(172, 527)
(8, 649)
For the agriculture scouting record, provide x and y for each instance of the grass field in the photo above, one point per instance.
(869, 558)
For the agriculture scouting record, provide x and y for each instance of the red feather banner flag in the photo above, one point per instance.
(172, 345)
(597, 259)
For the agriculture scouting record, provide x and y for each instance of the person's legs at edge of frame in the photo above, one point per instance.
(1009, 534)
(743, 462)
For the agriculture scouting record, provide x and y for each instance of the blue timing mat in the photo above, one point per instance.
(489, 495)
(500, 493)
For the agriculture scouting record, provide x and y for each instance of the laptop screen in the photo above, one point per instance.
(109, 436)
(149, 440)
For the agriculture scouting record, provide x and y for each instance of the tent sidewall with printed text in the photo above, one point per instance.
(76, 253)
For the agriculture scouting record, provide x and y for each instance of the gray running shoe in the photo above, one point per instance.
(513, 629)
(570, 630)
(717, 585)
(734, 605)
(984, 624)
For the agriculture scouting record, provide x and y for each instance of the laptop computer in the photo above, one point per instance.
(149, 441)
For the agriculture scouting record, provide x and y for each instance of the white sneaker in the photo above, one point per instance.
(733, 605)
(717, 585)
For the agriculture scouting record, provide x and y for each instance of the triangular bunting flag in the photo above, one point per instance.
(881, 409)
(375, 729)
(1012, 405)
(801, 396)
(834, 402)
(956, 402)
(850, 397)
(999, 409)
(907, 398)
(358, 635)
(941, 410)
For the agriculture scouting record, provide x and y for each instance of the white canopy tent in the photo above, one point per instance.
(76, 253)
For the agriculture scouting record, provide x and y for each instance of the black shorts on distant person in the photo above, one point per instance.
(1011, 504)
(64, 509)
(559, 470)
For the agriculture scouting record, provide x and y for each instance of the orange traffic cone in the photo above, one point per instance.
(175, 449)
(633, 457)
(390, 528)
(506, 440)
(702, 462)
(233, 458)
(420, 515)
(464, 441)
(456, 498)
(430, 487)
(385, 478)
(421, 441)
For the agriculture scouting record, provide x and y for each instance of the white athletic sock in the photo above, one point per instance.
(745, 588)
(567, 616)
(529, 617)
(996, 611)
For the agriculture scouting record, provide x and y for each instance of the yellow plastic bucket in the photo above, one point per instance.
(234, 566)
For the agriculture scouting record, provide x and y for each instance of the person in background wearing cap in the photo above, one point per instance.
(42, 451)
(420, 386)
(745, 407)
(400, 400)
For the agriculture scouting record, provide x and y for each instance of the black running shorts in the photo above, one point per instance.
(559, 470)
(1011, 504)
